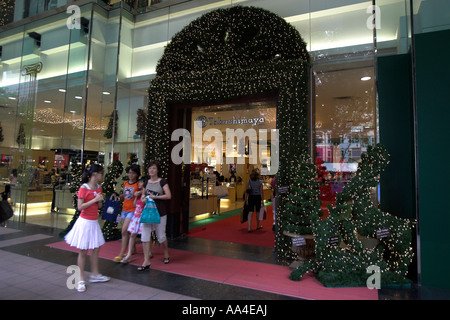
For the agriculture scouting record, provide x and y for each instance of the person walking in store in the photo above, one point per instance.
(157, 189)
(128, 207)
(134, 228)
(254, 198)
(86, 233)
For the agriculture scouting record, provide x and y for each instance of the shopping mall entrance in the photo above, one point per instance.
(227, 141)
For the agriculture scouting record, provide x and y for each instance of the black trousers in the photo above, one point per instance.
(254, 201)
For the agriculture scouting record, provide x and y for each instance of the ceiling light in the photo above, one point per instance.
(106, 92)
(47, 101)
(12, 98)
(366, 78)
(78, 97)
(62, 90)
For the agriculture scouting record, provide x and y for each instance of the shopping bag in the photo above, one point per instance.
(6, 211)
(150, 213)
(262, 215)
(244, 213)
(221, 191)
(111, 209)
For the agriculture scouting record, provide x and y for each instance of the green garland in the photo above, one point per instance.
(229, 53)
(355, 215)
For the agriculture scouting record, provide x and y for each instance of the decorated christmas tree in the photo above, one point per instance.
(109, 229)
(112, 125)
(76, 171)
(365, 236)
(21, 135)
(303, 199)
(141, 123)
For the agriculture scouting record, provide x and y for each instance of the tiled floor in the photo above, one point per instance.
(25, 278)
(31, 270)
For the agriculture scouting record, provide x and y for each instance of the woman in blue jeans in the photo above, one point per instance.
(254, 198)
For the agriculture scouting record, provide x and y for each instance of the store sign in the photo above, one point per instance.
(203, 121)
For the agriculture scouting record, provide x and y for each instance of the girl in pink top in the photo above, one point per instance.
(86, 233)
(134, 228)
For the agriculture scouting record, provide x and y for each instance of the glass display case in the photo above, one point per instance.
(202, 198)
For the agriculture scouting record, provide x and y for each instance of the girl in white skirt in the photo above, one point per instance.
(86, 233)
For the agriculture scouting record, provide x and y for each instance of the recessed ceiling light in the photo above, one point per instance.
(366, 78)
(47, 101)
(62, 90)
(78, 97)
(106, 92)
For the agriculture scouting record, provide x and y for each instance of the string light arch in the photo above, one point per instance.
(226, 54)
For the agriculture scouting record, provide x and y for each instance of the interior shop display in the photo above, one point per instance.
(230, 53)
(202, 190)
(357, 236)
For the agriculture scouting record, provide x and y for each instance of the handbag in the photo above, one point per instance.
(150, 213)
(262, 213)
(111, 209)
(244, 213)
(221, 191)
(6, 211)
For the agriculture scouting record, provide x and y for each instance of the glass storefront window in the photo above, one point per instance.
(86, 81)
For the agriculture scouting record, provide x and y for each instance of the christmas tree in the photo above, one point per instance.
(21, 135)
(109, 229)
(342, 255)
(141, 123)
(303, 199)
(76, 171)
(112, 126)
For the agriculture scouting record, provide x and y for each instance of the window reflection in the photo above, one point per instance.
(345, 123)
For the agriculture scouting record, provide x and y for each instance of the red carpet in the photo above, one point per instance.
(232, 230)
(253, 275)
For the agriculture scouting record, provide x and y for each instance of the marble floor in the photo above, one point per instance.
(31, 270)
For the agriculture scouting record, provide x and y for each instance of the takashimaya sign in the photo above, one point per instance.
(203, 121)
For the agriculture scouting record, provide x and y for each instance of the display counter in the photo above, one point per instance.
(63, 201)
(231, 194)
(199, 205)
(34, 196)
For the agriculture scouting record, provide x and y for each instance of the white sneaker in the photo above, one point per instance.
(98, 278)
(81, 286)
